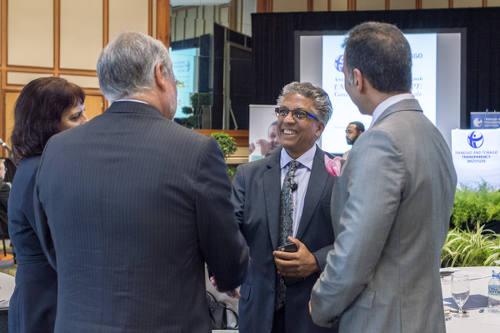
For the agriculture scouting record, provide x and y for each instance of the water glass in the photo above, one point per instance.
(460, 290)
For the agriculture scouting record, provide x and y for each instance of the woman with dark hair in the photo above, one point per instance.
(45, 107)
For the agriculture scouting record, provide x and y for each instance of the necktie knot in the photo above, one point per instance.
(294, 165)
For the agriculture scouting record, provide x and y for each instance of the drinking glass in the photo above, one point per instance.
(460, 290)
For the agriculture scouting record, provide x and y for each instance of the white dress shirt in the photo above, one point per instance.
(388, 102)
(302, 175)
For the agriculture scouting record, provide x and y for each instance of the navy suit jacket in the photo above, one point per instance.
(256, 198)
(32, 307)
(129, 207)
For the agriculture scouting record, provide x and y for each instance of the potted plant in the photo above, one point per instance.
(227, 145)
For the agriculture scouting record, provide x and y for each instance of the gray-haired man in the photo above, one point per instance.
(132, 204)
(282, 198)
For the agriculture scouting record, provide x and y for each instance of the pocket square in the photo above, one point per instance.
(333, 165)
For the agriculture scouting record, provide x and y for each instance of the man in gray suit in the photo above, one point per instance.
(275, 293)
(131, 206)
(391, 205)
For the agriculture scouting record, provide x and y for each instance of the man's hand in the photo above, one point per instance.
(296, 264)
(232, 293)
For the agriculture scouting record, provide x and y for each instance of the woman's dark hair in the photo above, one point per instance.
(38, 113)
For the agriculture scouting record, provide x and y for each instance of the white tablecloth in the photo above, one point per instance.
(479, 320)
(7, 284)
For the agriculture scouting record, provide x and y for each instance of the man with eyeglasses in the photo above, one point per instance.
(277, 203)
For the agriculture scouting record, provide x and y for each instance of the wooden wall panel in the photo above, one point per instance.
(403, 4)
(290, 6)
(153, 17)
(224, 16)
(94, 106)
(339, 5)
(249, 7)
(434, 4)
(199, 22)
(83, 81)
(493, 3)
(127, 15)
(81, 33)
(208, 16)
(190, 29)
(320, 5)
(18, 78)
(179, 25)
(239, 17)
(31, 33)
(467, 3)
(370, 4)
(0, 39)
(10, 103)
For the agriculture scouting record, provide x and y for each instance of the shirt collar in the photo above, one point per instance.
(305, 159)
(129, 100)
(387, 103)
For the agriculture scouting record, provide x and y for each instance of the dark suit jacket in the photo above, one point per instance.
(256, 198)
(130, 206)
(4, 198)
(32, 306)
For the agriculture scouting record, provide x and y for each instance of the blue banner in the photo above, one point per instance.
(484, 120)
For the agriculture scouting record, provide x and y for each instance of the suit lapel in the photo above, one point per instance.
(317, 182)
(272, 191)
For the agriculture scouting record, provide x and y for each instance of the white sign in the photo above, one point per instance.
(423, 48)
(476, 156)
(263, 134)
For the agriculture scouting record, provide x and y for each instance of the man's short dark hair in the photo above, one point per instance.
(382, 54)
(359, 126)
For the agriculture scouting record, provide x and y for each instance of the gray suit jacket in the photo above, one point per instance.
(390, 209)
(256, 198)
(129, 206)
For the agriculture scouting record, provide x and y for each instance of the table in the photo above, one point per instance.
(479, 320)
(7, 284)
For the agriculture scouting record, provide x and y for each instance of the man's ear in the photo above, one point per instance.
(319, 130)
(160, 78)
(357, 78)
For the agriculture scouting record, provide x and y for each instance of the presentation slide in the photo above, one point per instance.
(436, 75)
(423, 48)
(185, 66)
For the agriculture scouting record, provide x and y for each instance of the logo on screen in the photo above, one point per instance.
(475, 139)
(339, 63)
(478, 122)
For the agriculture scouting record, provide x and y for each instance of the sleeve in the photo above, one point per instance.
(238, 195)
(222, 245)
(376, 176)
(41, 224)
(321, 256)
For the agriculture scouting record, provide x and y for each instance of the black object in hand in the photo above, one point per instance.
(288, 247)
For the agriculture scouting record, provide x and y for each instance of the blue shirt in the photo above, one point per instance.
(302, 175)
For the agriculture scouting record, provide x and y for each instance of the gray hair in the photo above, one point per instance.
(126, 66)
(321, 101)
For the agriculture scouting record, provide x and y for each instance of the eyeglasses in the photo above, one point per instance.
(298, 114)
